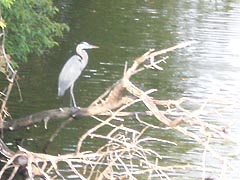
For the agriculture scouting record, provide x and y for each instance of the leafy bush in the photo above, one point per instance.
(7, 3)
(30, 27)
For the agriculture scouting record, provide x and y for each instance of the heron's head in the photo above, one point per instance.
(85, 45)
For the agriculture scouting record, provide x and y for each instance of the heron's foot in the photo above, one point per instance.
(75, 107)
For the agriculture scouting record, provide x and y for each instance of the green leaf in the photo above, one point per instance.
(31, 28)
(7, 3)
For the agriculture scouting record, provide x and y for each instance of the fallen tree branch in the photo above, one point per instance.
(123, 156)
(112, 99)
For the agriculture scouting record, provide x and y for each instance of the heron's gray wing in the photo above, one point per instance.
(69, 74)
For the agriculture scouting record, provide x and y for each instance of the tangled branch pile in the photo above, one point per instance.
(123, 155)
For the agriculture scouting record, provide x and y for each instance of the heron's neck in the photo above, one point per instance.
(83, 55)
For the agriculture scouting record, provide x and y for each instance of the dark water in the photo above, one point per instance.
(125, 30)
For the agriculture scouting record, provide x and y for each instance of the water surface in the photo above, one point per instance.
(125, 30)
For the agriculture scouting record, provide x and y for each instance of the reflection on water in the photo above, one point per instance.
(126, 29)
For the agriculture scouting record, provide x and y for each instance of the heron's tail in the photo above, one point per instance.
(60, 92)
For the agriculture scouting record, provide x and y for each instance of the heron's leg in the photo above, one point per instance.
(72, 96)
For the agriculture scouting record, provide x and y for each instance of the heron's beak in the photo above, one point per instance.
(93, 46)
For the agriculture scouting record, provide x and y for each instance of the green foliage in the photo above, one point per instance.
(6, 3)
(31, 28)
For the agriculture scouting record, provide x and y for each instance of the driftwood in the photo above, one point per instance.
(123, 156)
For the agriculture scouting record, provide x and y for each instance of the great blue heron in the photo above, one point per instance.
(73, 69)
